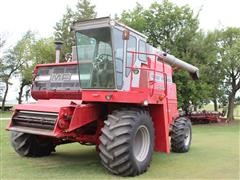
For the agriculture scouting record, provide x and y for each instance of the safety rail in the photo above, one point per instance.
(154, 70)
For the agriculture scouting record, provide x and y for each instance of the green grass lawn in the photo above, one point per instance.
(214, 155)
(5, 114)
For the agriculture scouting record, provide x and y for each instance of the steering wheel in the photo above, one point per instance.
(100, 67)
(101, 61)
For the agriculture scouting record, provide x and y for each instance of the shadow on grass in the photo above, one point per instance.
(73, 155)
(71, 160)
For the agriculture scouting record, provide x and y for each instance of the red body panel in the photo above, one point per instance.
(84, 114)
(72, 112)
(52, 105)
(50, 94)
(136, 96)
(81, 118)
(159, 115)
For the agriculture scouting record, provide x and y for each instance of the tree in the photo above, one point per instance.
(211, 71)
(176, 30)
(34, 52)
(28, 52)
(26, 80)
(2, 42)
(22, 51)
(9, 64)
(43, 51)
(63, 31)
(84, 10)
(229, 55)
(135, 18)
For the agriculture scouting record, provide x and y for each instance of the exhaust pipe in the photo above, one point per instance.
(173, 61)
(58, 45)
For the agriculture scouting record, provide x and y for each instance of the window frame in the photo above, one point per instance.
(90, 61)
(136, 43)
(115, 58)
(145, 47)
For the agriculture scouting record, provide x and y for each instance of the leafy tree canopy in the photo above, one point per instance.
(84, 10)
(176, 30)
(229, 58)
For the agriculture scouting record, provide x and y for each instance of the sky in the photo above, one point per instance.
(17, 17)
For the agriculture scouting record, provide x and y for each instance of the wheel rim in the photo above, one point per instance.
(187, 136)
(141, 143)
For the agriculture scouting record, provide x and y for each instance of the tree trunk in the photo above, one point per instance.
(20, 94)
(185, 108)
(215, 105)
(4, 97)
(195, 108)
(231, 106)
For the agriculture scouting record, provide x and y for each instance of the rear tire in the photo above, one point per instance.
(181, 135)
(31, 145)
(127, 141)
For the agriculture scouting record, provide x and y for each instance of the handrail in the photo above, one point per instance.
(154, 70)
(154, 74)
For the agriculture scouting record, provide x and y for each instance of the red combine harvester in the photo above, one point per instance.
(126, 106)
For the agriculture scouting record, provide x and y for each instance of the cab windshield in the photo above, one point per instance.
(94, 54)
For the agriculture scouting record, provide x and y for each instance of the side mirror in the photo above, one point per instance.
(125, 35)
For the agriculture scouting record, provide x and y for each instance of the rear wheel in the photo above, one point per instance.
(181, 135)
(127, 141)
(31, 145)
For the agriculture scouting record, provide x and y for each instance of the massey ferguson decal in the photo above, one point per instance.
(60, 77)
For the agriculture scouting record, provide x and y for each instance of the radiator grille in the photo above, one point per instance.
(57, 78)
(41, 120)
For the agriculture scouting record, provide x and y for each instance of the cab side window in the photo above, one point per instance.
(118, 52)
(142, 48)
(131, 46)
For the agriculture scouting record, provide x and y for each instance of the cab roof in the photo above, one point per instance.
(102, 22)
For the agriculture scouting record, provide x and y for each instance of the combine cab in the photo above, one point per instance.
(118, 96)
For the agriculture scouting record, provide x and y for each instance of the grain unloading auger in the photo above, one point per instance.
(126, 106)
(175, 62)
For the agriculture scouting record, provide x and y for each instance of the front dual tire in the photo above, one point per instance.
(127, 142)
(31, 145)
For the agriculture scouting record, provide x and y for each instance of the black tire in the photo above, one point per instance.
(127, 142)
(181, 135)
(30, 145)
